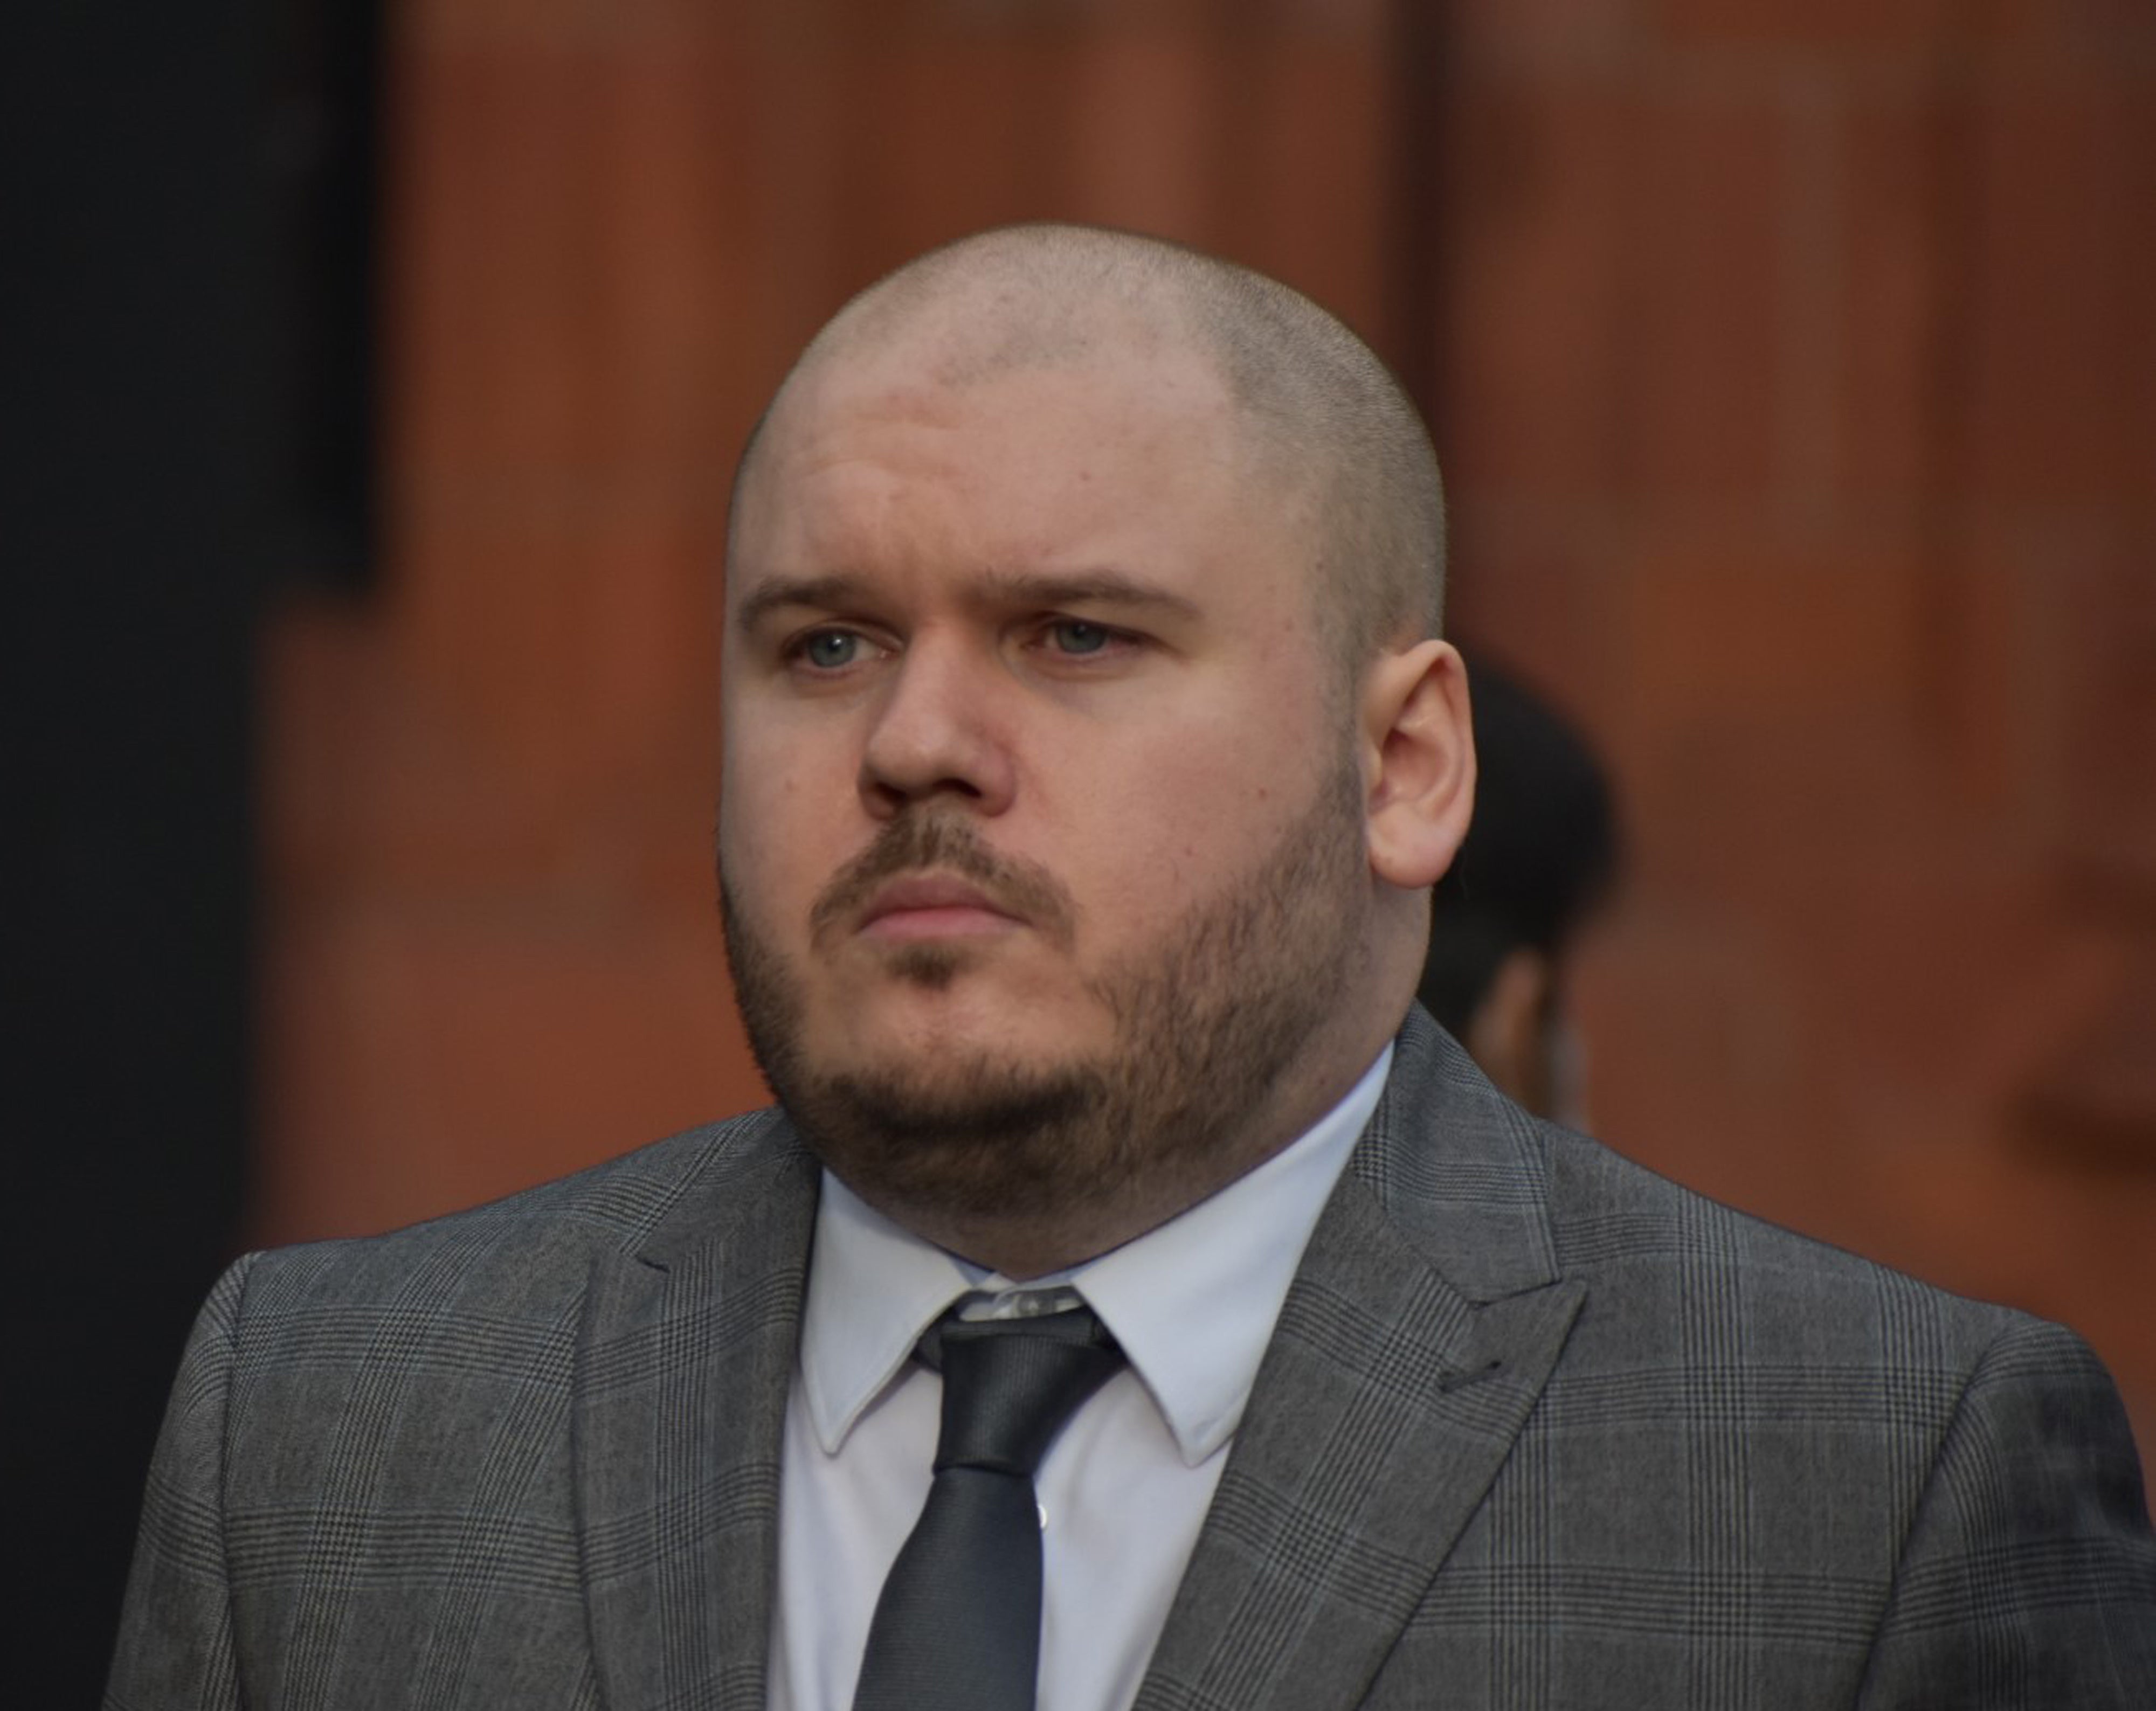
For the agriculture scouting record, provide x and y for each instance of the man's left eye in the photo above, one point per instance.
(1074, 635)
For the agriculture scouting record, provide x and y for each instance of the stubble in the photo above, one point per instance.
(1205, 1024)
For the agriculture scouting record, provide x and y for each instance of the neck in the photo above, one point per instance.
(1023, 1244)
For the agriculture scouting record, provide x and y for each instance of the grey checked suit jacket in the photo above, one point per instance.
(1536, 1429)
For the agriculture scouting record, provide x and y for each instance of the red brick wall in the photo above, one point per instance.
(1799, 391)
(1793, 363)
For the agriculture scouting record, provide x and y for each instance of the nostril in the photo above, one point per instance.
(888, 792)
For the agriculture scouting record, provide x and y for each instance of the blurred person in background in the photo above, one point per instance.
(1541, 854)
(1133, 1297)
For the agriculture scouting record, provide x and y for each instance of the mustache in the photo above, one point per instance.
(917, 843)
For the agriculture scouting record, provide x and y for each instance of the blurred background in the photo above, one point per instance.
(376, 374)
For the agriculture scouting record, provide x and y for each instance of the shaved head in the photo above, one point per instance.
(1089, 752)
(1333, 442)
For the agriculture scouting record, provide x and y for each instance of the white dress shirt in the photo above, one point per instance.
(1123, 1490)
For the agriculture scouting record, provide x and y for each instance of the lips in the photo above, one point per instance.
(932, 906)
(931, 874)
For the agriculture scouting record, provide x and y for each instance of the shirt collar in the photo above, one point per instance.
(1193, 1303)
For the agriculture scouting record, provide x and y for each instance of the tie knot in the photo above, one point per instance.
(1010, 1385)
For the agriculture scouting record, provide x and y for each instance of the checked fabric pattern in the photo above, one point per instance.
(1537, 1430)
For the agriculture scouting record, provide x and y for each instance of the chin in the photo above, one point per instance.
(967, 1137)
(954, 1046)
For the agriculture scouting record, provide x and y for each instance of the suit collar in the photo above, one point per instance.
(684, 1359)
(1420, 1330)
(1458, 1169)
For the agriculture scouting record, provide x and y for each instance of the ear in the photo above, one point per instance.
(1418, 757)
(1507, 1034)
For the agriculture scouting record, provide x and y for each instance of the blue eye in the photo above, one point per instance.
(828, 650)
(1074, 635)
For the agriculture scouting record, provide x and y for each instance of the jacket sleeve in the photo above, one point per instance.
(2028, 1577)
(176, 1633)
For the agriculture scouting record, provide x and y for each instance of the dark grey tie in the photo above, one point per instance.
(957, 1626)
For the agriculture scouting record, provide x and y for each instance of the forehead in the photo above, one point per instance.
(1015, 448)
(974, 359)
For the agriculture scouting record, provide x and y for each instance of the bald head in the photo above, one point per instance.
(1331, 439)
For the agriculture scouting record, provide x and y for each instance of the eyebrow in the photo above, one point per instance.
(777, 593)
(1096, 587)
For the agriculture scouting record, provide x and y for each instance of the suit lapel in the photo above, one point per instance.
(1422, 1326)
(687, 1356)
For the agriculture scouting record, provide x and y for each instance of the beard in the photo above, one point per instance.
(1207, 1022)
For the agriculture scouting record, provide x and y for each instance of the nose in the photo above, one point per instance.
(937, 733)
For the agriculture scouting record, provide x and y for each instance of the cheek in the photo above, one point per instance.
(771, 847)
(771, 775)
(1169, 827)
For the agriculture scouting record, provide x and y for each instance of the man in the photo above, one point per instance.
(1537, 862)
(1089, 754)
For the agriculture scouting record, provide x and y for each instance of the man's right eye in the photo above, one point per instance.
(828, 650)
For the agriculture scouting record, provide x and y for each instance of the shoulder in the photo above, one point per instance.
(1507, 1199)
(1674, 1282)
(520, 1253)
(1702, 1313)
(1659, 1245)
(1945, 1488)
